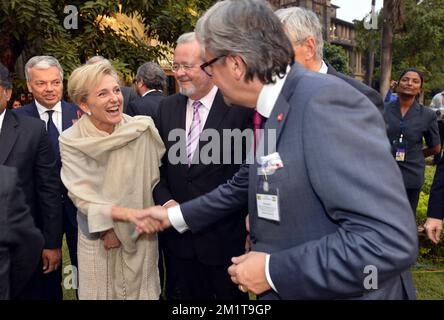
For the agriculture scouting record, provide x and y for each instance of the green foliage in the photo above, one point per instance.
(35, 27)
(419, 44)
(336, 56)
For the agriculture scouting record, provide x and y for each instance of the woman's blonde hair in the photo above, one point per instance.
(86, 77)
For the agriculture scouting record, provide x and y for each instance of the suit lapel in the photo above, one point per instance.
(68, 115)
(215, 117)
(8, 136)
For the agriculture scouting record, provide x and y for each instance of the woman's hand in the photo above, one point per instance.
(110, 240)
(144, 221)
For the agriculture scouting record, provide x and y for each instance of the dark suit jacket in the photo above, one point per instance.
(129, 95)
(20, 241)
(222, 240)
(147, 105)
(24, 144)
(341, 196)
(436, 200)
(70, 113)
(370, 93)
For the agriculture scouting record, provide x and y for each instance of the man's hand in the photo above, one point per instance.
(152, 219)
(433, 229)
(110, 240)
(248, 271)
(52, 259)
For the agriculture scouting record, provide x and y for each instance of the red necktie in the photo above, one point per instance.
(257, 125)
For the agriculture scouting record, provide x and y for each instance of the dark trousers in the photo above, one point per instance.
(44, 286)
(413, 195)
(71, 239)
(189, 279)
(437, 157)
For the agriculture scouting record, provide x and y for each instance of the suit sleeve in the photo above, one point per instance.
(223, 201)
(48, 190)
(436, 200)
(351, 170)
(24, 239)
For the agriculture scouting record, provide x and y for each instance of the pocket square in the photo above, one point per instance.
(270, 163)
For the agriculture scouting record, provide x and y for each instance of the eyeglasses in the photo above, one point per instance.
(186, 67)
(209, 63)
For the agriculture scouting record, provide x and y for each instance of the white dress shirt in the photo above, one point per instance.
(265, 104)
(2, 117)
(56, 116)
(324, 68)
(204, 110)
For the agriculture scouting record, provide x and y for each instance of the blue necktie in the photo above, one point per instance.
(53, 134)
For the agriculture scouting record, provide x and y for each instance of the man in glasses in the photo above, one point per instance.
(328, 215)
(196, 263)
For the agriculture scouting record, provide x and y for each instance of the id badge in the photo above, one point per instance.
(400, 154)
(267, 200)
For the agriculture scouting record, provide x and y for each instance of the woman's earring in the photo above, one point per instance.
(89, 113)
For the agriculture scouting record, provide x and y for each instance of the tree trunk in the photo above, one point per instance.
(370, 64)
(386, 50)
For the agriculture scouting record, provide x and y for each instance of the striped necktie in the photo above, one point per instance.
(194, 133)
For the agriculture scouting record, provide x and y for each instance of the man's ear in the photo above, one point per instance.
(311, 46)
(237, 66)
(29, 87)
(8, 93)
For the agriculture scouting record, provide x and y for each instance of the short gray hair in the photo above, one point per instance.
(152, 75)
(95, 59)
(248, 29)
(186, 38)
(42, 63)
(301, 23)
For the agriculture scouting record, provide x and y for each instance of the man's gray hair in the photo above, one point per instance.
(301, 23)
(186, 38)
(95, 59)
(248, 29)
(152, 75)
(42, 63)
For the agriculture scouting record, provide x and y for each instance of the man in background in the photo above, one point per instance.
(150, 82)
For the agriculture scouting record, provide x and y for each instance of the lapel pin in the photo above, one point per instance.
(280, 117)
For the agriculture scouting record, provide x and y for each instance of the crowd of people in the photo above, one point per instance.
(333, 189)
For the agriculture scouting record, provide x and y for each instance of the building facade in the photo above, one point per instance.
(335, 31)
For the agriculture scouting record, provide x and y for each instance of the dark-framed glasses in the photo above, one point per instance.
(206, 67)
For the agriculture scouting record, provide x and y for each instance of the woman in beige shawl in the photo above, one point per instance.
(110, 166)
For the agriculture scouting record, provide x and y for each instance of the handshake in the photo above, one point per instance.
(149, 220)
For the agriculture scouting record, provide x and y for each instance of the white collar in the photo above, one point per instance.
(2, 117)
(269, 95)
(149, 91)
(41, 109)
(324, 68)
(208, 100)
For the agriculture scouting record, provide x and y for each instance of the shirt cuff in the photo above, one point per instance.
(176, 218)
(267, 273)
(167, 202)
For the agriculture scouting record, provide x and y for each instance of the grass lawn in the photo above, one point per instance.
(429, 286)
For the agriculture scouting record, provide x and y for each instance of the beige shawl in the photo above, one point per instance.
(101, 170)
